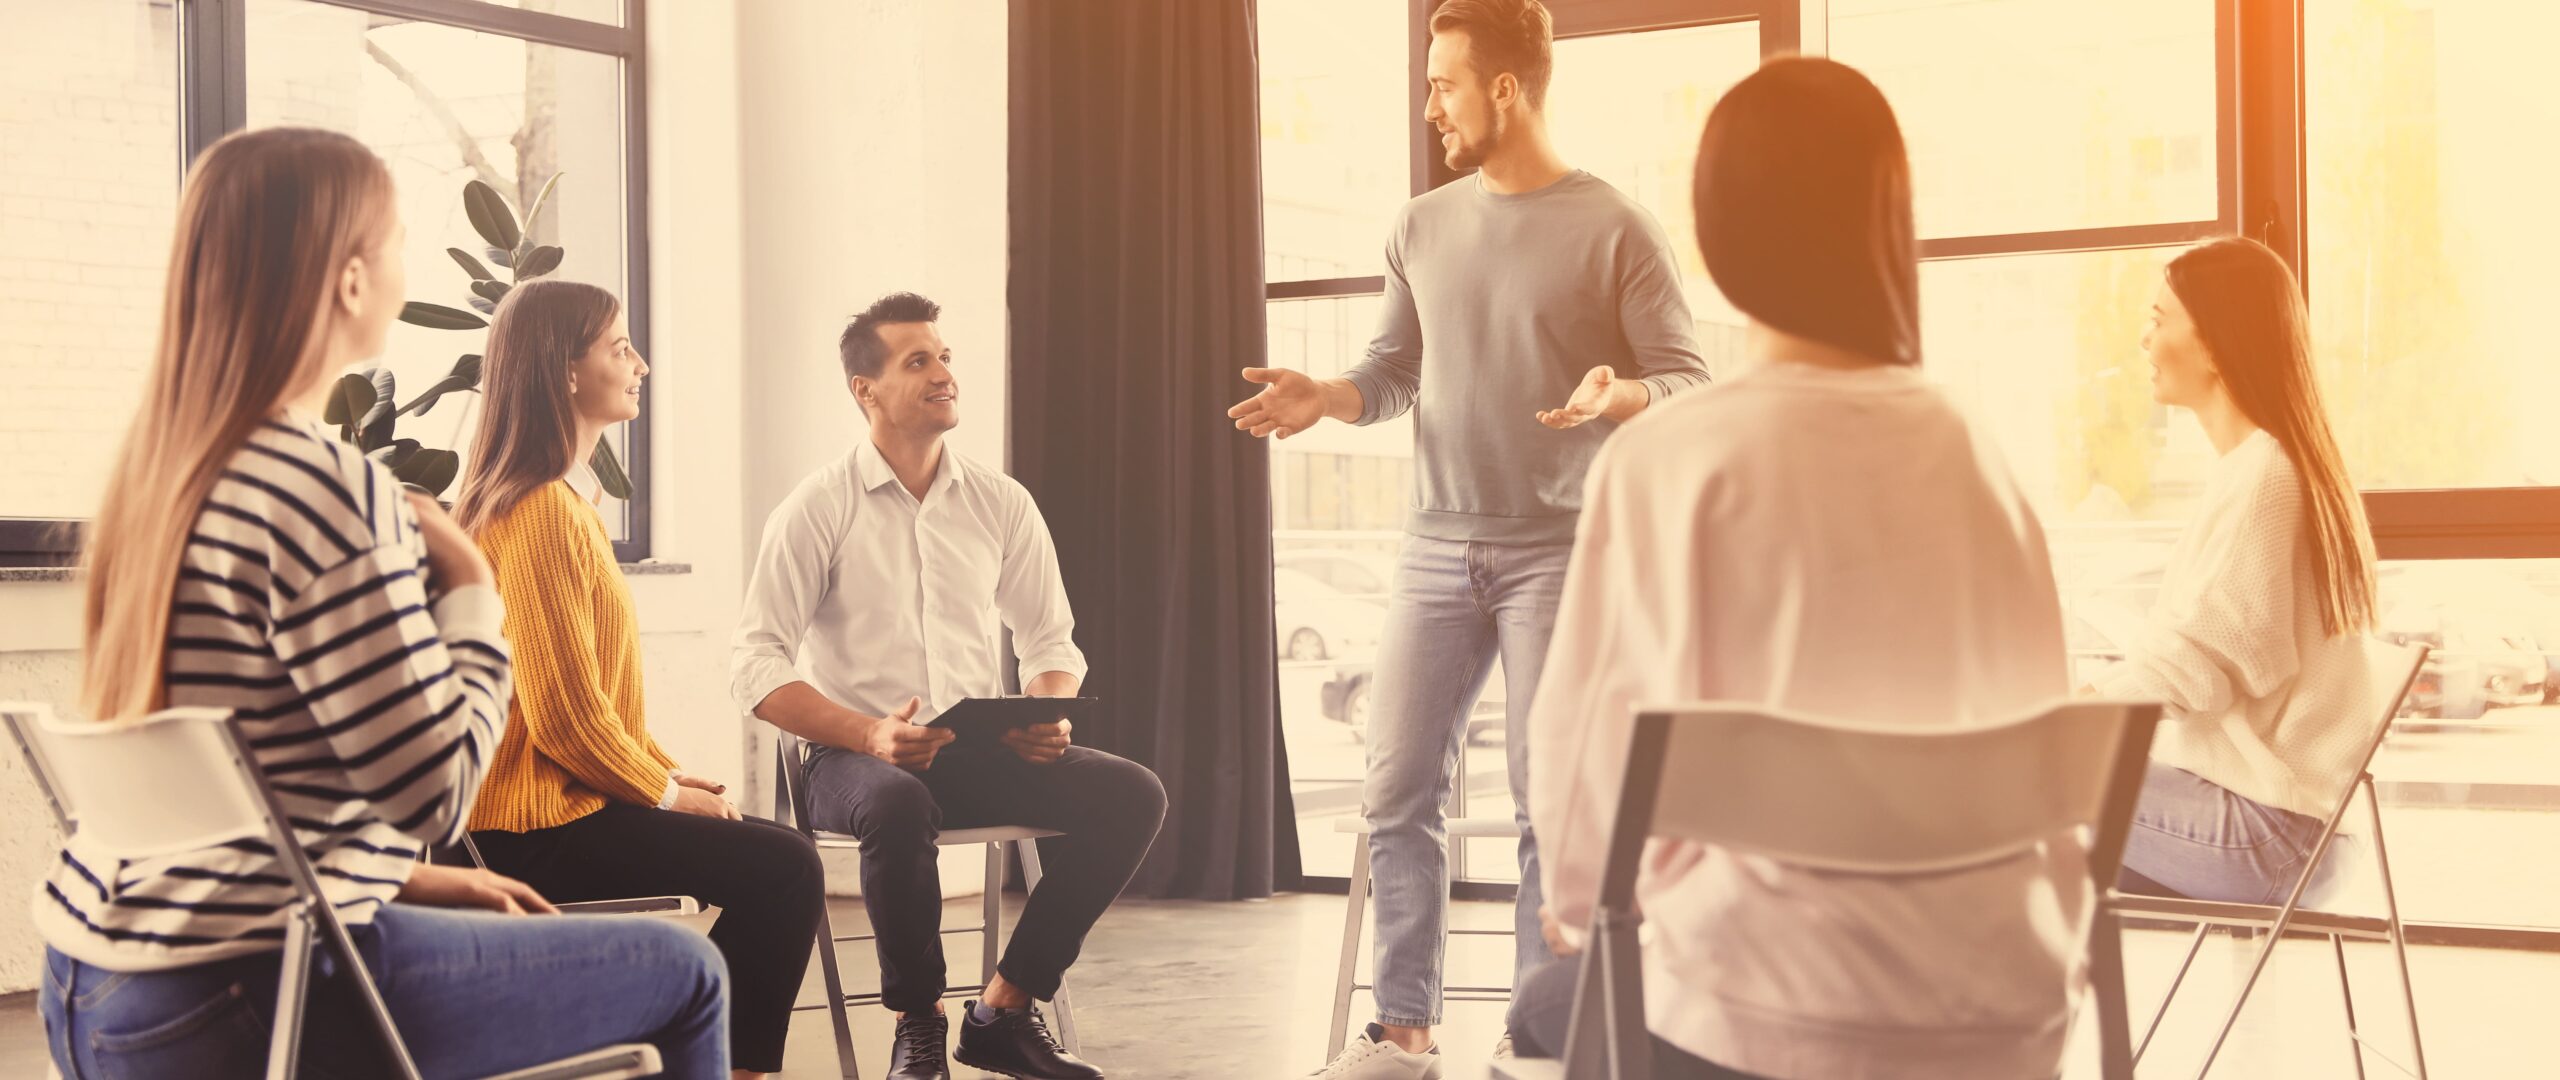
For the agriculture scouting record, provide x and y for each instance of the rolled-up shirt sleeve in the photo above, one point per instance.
(1032, 596)
(793, 563)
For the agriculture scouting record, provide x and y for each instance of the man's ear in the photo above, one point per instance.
(1505, 90)
(859, 386)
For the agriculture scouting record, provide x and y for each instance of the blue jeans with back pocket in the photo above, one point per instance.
(474, 994)
(2203, 842)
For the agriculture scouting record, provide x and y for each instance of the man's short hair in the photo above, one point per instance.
(1505, 35)
(863, 351)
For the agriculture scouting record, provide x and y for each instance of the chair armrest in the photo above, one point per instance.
(638, 905)
(625, 1062)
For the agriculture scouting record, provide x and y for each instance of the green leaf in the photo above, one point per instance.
(609, 472)
(373, 431)
(350, 401)
(492, 291)
(541, 199)
(470, 265)
(483, 306)
(393, 455)
(440, 317)
(431, 471)
(543, 260)
(502, 256)
(464, 376)
(490, 216)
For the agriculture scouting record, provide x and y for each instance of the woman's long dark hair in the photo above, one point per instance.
(2248, 311)
(1803, 200)
(542, 329)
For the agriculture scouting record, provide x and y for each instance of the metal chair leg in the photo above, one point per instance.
(2172, 994)
(846, 1065)
(2399, 937)
(2347, 994)
(1355, 909)
(2106, 979)
(1058, 1004)
(293, 990)
(994, 904)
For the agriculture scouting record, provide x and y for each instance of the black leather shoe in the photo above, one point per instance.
(918, 1053)
(1018, 1044)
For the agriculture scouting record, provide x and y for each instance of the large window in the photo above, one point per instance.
(99, 124)
(1343, 147)
(2064, 154)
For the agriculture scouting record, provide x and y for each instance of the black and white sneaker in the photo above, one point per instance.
(1017, 1043)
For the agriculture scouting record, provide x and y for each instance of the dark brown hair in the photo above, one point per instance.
(1514, 36)
(860, 346)
(2248, 311)
(1803, 200)
(542, 329)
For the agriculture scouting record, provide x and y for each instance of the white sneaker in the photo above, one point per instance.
(1502, 1047)
(1372, 1057)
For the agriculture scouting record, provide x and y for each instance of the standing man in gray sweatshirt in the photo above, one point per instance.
(1549, 306)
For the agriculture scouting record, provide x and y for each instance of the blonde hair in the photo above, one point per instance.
(268, 221)
(525, 440)
(2248, 310)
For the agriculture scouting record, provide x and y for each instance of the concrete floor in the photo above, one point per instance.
(1196, 991)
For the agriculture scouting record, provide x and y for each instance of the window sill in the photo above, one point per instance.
(14, 574)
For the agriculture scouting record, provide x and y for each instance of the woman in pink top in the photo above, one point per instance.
(1824, 533)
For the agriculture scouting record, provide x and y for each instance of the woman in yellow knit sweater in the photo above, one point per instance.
(581, 802)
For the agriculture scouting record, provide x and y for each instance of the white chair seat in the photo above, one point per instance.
(992, 834)
(1472, 828)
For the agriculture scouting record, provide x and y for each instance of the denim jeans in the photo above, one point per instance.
(474, 994)
(2198, 840)
(1455, 607)
(1545, 1015)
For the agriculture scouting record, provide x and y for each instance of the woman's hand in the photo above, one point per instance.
(1553, 931)
(455, 887)
(694, 798)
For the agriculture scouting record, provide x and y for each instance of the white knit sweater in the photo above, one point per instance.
(2260, 699)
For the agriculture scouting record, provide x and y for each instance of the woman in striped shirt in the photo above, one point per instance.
(244, 559)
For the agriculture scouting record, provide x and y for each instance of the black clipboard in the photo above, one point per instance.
(986, 719)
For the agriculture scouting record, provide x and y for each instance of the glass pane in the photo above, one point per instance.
(444, 107)
(1336, 135)
(2044, 351)
(2033, 115)
(603, 11)
(2471, 773)
(2430, 264)
(1338, 498)
(1628, 108)
(89, 172)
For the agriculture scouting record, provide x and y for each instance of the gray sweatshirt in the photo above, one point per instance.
(1518, 296)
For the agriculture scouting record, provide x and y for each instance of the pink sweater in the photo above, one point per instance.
(1840, 543)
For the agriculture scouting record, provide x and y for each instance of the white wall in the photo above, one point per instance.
(805, 156)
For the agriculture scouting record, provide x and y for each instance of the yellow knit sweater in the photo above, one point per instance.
(576, 734)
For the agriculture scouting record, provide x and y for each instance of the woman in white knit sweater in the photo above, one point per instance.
(2254, 644)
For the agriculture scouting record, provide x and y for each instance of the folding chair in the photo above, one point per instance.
(206, 789)
(2308, 904)
(792, 807)
(1346, 980)
(1767, 784)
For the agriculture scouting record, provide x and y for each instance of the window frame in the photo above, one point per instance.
(213, 81)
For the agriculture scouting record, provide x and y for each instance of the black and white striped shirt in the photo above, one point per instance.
(302, 606)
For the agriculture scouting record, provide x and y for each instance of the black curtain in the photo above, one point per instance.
(1136, 295)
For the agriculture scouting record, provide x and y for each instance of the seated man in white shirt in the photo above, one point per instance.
(883, 576)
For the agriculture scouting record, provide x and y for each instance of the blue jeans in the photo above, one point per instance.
(2196, 839)
(474, 994)
(1455, 608)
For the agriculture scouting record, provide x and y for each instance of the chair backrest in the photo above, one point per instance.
(175, 780)
(2393, 670)
(1881, 799)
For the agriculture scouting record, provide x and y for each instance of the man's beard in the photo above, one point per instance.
(1467, 155)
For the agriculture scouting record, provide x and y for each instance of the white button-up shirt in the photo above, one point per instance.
(873, 596)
